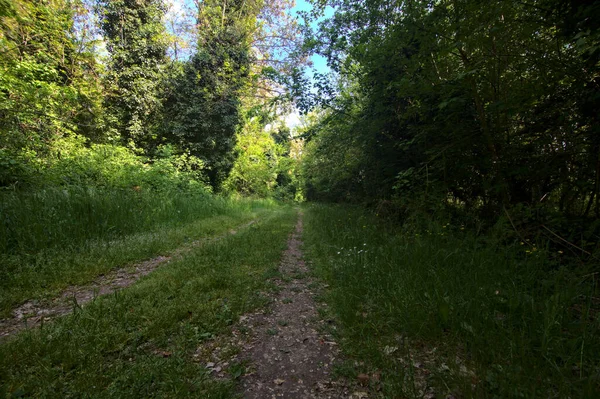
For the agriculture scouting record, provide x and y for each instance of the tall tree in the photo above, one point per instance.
(488, 103)
(203, 110)
(137, 43)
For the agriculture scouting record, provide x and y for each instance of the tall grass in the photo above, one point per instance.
(53, 237)
(83, 209)
(477, 318)
(32, 221)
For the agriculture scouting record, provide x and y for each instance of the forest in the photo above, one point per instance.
(431, 166)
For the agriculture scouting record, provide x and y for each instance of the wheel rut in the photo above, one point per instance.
(34, 313)
(288, 354)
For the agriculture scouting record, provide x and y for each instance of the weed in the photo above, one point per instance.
(236, 370)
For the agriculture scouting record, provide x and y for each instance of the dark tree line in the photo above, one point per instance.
(485, 105)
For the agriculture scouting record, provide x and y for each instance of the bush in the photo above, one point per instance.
(80, 192)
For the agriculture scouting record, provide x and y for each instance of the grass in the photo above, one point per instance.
(442, 305)
(141, 341)
(31, 221)
(55, 238)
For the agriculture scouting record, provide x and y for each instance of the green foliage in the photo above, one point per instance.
(266, 164)
(256, 166)
(47, 84)
(79, 193)
(70, 162)
(202, 111)
(490, 105)
(289, 185)
(52, 91)
(339, 165)
(467, 315)
(137, 43)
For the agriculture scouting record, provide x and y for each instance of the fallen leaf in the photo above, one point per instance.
(363, 379)
(388, 350)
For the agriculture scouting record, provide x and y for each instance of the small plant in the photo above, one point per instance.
(236, 370)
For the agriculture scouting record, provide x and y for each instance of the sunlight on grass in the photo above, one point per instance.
(56, 238)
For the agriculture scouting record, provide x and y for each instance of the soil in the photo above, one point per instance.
(288, 353)
(33, 313)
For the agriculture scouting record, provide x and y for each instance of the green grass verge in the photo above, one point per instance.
(45, 267)
(113, 347)
(476, 318)
(46, 273)
(31, 221)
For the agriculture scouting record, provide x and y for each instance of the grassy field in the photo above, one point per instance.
(54, 238)
(439, 306)
(140, 342)
(429, 309)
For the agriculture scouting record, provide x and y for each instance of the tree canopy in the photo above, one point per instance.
(487, 104)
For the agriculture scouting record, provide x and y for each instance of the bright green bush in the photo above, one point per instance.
(80, 192)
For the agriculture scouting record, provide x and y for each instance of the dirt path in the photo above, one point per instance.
(33, 313)
(288, 356)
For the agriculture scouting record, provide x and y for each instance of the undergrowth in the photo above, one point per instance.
(85, 210)
(442, 309)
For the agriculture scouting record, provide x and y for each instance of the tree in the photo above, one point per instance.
(489, 105)
(202, 112)
(48, 82)
(255, 170)
(137, 44)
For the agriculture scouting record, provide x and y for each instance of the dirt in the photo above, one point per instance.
(34, 313)
(288, 354)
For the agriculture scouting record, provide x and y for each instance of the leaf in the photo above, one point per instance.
(363, 379)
